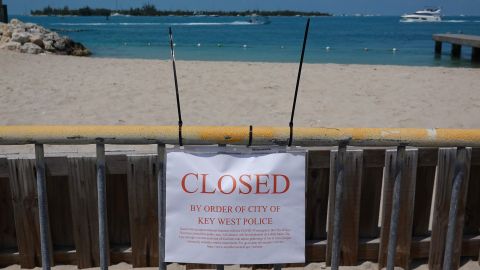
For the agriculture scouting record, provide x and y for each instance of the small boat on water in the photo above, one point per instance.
(255, 19)
(424, 15)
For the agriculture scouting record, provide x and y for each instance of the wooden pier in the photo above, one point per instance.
(3, 12)
(457, 41)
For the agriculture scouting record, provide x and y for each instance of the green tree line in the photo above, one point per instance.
(151, 10)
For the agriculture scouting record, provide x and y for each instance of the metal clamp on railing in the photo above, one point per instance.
(250, 136)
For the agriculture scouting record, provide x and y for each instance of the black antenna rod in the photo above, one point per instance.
(298, 81)
(180, 123)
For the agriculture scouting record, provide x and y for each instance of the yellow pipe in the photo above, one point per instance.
(10, 135)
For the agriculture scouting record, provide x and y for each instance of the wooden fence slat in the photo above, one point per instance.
(8, 239)
(472, 216)
(423, 200)
(116, 164)
(83, 200)
(317, 198)
(117, 209)
(424, 192)
(319, 159)
(142, 201)
(371, 193)
(59, 211)
(407, 199)
(447, 158)
(25, 205)
(191, 266)
(461, 211)
(317, 204)
(4, 171)
(351, 206)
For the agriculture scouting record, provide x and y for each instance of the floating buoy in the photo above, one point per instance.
(394, 50)
(327, 48)
(219, 45)
(174, 44)
(198, 44)
(244, 46)
(365, 49)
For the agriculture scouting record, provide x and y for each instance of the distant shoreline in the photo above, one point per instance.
(151, 10)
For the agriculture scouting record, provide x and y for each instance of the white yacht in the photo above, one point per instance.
(255, 19)
(425, 15)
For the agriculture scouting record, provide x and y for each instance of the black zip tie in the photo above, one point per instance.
(180, 123)
(250, 136)
(298, 81)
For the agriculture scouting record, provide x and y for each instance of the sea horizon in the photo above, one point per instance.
(367, 39)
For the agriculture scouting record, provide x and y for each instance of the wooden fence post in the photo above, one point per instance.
(407, 197)
(24, 197)
(42, 201)
(351, 206)
(162, 204)
(317, 195)
(142, 204)
(8, 239)
(447, 158)
(427, 161)
(83, 200)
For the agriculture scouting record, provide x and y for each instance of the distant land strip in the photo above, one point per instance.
(151, 10)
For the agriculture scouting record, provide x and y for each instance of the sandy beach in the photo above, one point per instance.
(37, 89)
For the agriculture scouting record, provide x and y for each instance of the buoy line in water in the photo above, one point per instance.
(327, 49)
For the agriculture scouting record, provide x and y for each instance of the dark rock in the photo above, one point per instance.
(76, 49)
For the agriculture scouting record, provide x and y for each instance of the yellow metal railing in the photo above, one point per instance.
(10, 135)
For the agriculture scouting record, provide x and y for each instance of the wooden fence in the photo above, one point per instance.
(132, 208)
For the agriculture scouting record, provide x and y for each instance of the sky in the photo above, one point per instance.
(381, 7)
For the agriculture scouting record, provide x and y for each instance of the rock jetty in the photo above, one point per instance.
(35, 39)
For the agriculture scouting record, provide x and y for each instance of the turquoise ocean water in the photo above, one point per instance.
(234, 39)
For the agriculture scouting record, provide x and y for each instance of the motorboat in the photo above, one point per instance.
(424, 15)
(255, 19)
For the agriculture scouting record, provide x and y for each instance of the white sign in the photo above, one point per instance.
(228, 206)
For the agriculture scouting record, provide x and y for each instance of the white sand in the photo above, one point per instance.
(69, 90)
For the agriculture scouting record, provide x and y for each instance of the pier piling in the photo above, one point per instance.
(438, 47)
(3, 12)
(457, 41)
(456, 50)
(476, 55)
